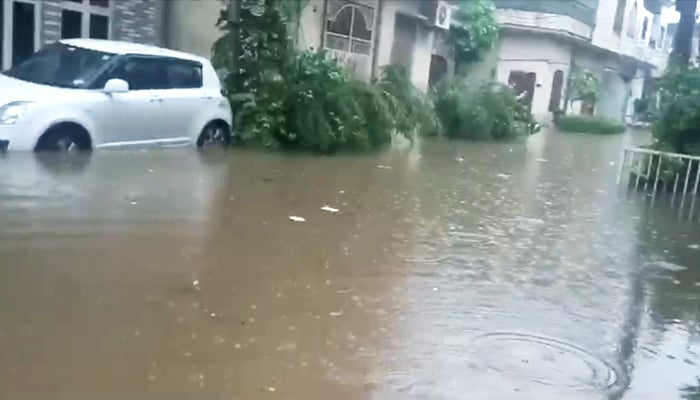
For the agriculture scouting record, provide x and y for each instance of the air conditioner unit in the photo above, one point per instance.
(443, 15)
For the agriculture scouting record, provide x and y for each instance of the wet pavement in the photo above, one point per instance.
(450, 271)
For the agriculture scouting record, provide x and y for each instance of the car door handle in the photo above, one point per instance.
(156, 99)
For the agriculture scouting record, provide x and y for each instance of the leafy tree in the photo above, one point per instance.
(683, 41)
(474, 30)
(584, 85)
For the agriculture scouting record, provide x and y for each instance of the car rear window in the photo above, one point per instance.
(183, 74)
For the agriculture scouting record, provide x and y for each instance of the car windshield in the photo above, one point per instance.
(62, 65)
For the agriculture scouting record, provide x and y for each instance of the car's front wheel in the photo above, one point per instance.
(66, 138)
(215, 134)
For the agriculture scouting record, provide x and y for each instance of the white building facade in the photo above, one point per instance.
(542, 42)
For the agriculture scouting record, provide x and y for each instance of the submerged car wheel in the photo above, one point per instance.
(215, 134)
(65, 138)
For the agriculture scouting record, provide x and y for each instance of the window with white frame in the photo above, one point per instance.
(20, 28)
(85, 19)
(349, 26)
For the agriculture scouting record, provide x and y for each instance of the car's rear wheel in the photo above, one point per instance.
(215, 134)
(65, 138)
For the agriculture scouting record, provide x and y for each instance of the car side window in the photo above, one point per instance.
(184, 74)
(144, 73)
(153, 73)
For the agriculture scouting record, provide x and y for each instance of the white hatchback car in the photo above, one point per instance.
(84, 94)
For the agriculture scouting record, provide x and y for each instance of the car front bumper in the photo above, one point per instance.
(16, 137)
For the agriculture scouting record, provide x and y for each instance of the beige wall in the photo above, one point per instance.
(311, 25)
(192, 25)
(423, 47)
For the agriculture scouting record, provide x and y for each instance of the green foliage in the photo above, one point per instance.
(588, 124)
(691, 392)
(584, 85)
(284, 98)
(412, 110)
(489, 111)
(678, 127)
(474, 30)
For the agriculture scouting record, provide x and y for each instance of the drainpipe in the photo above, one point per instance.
(377, 30)
(166, 17)
(324, 19)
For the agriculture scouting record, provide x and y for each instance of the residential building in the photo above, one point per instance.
(363, 34)
(26, 25)
(543, 41)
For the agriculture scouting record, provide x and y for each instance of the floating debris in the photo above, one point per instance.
(384, 167)
(503, 176)
(195, 283)
(540, 159)
(694, 246)
(665, 265)
(297, 219)
(335, 313)
(329, 209)
(460, 159)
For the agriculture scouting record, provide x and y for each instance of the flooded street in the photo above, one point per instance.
(450, 271)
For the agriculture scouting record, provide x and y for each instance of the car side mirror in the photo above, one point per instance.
(116, 86)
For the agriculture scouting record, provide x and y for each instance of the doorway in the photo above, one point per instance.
(19, 31)
(438, 70)
(555, 96)
(523, 83)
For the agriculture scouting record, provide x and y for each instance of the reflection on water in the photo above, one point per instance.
(451, 270)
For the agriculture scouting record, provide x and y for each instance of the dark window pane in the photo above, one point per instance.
(184, 74)
(99, 26)
(145, 73)
(70, 24)
(341, 23)
(75, 1)
(362, 26)
(22, 32)
(100, 3)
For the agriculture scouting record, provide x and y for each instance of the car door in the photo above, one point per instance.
(184, 99)
(136, 117)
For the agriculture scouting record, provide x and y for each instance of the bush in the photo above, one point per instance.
(588, 124)
(489, 111)
(306, 100)
(678, 128)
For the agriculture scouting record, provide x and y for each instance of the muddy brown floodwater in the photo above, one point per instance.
(450, 271)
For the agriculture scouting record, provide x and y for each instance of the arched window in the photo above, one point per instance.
(349, 27)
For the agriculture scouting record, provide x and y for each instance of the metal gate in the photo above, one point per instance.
(674, 176)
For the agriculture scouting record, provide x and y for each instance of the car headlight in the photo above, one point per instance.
(10, 112)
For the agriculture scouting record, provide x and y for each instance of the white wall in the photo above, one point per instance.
(543, 22)
(541, 54)
(637, 47)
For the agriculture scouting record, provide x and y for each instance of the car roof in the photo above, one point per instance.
(118, 47)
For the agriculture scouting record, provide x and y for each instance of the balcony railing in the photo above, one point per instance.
(580, 10)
